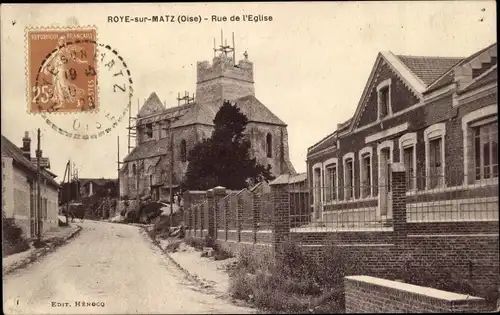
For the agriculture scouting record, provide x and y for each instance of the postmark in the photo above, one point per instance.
(62, 70)
(81, 88)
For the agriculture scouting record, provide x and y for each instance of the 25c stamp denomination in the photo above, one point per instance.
(62, 70)
(81, 88)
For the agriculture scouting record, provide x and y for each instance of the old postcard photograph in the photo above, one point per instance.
(245, 158)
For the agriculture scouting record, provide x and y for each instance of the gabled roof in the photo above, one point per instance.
(289, 179)
(11, 150)
(447, 77)
(149, 149)
(256, 111)
(196, 113)
(329, 141)
(411, 80)
(489, 76)
(429, 69)
(152, 105)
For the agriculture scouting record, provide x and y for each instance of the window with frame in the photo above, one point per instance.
(331, 183)
(149, 130)
(408, 153)
(317, 185)
(436, 171)
(384, 102)
(269, 145)
(183, 151)
(366, 175)
(485, 147)
(349, 180)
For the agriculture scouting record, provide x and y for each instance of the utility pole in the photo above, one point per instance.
(68, 190)
(118, 165)
(171, 171)
(39, 197)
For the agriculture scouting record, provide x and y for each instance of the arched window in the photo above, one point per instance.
(269, 145)
(183, 151)
(134, 170)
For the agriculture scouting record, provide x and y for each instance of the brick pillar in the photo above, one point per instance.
(256, 204)
(212, 232)
(219, 193)
(191, 220)
(226, 216)
(281, 215)
(186, 203)
(398, 187)
(239, 216)
(196, 217)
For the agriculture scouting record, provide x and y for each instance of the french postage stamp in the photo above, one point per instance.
(68, 74)
(62, 70)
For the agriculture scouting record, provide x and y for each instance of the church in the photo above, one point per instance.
(165, 135)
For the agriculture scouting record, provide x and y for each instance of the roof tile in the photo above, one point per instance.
(429, 69)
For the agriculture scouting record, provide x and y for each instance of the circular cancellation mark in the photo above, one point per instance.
(79, 87)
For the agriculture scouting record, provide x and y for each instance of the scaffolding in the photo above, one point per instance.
(132, 125)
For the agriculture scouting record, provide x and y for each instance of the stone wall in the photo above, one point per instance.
(364, 294)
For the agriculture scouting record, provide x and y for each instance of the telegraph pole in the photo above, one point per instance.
(170, 176)
(68, 191)
(118, 165)
(39, 197)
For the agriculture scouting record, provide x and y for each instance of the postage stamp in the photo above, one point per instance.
(62, 70)
(69, 74)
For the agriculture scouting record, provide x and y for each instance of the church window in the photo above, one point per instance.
(149, 131)
(269, 145)
(183, 151)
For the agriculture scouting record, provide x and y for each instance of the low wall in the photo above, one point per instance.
(235, 247)
(364, 294)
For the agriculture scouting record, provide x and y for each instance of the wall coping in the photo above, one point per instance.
(433, 293)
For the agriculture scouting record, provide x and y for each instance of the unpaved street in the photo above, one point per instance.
(113, 266)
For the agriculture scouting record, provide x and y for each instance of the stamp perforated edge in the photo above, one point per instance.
(29, 28)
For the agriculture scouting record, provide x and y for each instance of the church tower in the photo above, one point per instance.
(224, 79)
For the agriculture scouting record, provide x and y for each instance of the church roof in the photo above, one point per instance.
(149, 149)
(194, 113)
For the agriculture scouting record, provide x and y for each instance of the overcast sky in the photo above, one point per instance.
(311, 61)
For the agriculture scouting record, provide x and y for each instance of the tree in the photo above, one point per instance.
(224, 159)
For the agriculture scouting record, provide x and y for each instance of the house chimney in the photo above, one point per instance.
(26, 146)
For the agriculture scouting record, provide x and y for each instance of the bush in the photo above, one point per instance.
(195, 242)
(13, 237)
(291, 283)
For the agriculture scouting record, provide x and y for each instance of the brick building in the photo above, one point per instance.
(19, 187)
(146, 168)
(436, 115)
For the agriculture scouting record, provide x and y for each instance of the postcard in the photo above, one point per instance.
(290, 157)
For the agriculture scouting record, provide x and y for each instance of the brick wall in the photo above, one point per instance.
(233, 218)
(365, 294)
(466, 250)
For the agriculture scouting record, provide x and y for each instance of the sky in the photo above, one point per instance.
(311, 62)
